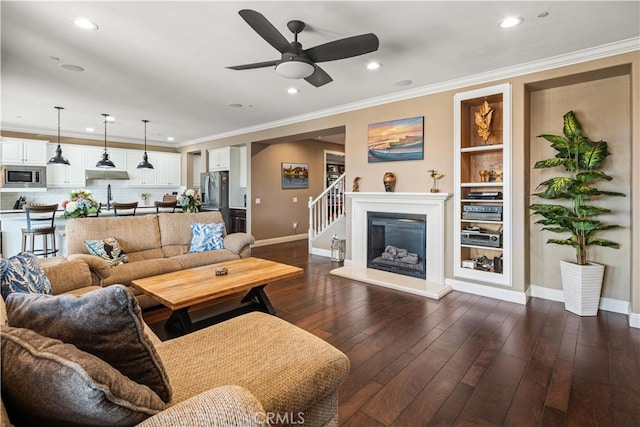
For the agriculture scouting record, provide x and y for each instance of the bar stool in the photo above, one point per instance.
(40, 222)
(165, 206)
(128, 208)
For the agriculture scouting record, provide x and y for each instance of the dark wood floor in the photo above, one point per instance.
(465, 360)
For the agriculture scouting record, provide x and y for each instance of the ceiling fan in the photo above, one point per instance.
(298, 63)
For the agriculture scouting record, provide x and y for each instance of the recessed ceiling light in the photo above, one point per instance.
(170, 138)
(85, 24)
(235, 105)
(403, 82)
(89, 129)
(292, 90)
(373, 65)
(543, 14)
(511, 22)
(71, 67)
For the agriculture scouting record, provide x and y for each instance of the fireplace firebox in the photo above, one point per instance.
(396, 243)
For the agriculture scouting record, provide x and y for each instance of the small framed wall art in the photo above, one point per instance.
(295, 175)
(396, 140)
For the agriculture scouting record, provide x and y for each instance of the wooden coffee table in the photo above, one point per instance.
(183, 289)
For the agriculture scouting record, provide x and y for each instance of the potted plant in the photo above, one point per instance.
(581, 158)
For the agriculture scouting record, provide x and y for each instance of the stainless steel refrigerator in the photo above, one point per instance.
(214, 190)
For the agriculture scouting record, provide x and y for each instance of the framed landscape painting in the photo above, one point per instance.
(396, 140)
(295, 175)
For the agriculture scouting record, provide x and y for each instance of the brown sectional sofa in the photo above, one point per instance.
(155, 244)
(251, 370)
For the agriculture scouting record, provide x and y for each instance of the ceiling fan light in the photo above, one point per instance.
(295, 69)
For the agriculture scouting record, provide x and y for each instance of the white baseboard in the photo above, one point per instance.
(321, 252)
(486, 291)
(606, 304)
(283, 239)
(546, 293)
(634, 320)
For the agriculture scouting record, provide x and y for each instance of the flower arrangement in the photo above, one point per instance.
(189, 201)
(80, 204)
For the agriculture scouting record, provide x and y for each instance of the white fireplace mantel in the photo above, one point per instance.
(429, 204)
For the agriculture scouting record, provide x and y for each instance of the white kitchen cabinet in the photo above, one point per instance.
(219, 159)
(168, 169)
(243, 167)
(18, 151)
(63, 175)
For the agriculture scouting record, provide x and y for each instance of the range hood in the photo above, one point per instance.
(106, 174)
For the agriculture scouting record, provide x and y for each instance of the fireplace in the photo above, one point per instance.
(424, 210)
(396, 243)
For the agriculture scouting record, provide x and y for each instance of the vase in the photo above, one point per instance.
(581, 285)
(389, 180)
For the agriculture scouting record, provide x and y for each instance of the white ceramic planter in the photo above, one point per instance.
(582, 285)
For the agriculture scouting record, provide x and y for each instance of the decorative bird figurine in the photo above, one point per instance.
(435, 175)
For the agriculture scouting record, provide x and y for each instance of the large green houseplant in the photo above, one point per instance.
(581, 158)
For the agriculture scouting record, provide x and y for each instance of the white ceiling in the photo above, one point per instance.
(165, 60)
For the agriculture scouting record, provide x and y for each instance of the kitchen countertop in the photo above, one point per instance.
(19, 213)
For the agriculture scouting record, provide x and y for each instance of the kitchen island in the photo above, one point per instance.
(14, 220)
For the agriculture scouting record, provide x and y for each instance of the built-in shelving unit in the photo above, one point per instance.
(482, 196)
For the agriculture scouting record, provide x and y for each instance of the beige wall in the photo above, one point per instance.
(437, 110)
(603, 108)
(276, 213)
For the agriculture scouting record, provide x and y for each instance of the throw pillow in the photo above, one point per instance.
(109, 249)
(106, 322)
(23, 273)
(206, 237)
(48, 382)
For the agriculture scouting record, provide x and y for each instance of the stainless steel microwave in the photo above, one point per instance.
(20, 177)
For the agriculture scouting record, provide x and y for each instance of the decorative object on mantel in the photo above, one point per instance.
(105, 162)
(356, 186)
(80, 204)
(144, 164)
(581, 157)
(389, 180)
(436, 176)
(189, 201)
(483, 120)
(396, 140)
(58, 159)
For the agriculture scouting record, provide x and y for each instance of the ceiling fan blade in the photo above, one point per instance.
(343, 48)
(319, 77)
(254, 65)
(265, 29)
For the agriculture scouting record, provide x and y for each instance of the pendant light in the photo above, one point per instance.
(58, 159)
(144, 164)
(105, 162)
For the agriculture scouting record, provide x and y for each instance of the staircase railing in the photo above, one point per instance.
(328, 207)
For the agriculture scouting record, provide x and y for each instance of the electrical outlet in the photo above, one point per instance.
(295, 200)
(258, 200)
(295, 225)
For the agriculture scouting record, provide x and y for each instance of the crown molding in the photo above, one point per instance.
(92, 137)
(577, 57)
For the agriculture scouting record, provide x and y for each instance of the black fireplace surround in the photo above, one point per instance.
(396, 243)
